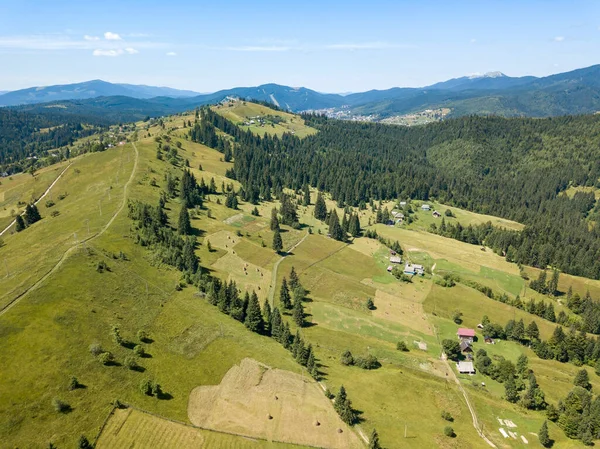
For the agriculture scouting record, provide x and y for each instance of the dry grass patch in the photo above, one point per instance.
(257, 401)
(403, 311)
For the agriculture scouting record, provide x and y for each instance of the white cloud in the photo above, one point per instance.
(559, 38)
(365, 46)
(100, 52)
(171, 53)
(473, 41)
(115, 51)
(109, 36)
(301, 47)
(57, 42)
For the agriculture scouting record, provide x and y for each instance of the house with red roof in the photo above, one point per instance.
(465, 334)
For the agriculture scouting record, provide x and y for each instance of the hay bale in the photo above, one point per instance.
(340, 430)
(317, 423)
(269, 416)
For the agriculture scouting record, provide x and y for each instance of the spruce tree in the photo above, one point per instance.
(510, 390)
(335, 230)
(543, 435)
(284, 295)
(320, 208)
(277, 242)
(286, 336)
(306, 195)
(254, 319)
(19, 223)
(374, 440)
(582, 379)
(268, 317)
(298, 313)
(274, 220)
(354, 226)
(276, 324)
(294, 281)
(183, 226)
(31, 214)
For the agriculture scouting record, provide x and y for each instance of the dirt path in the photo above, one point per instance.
(40, 198)
(276, 266)
(68, 252)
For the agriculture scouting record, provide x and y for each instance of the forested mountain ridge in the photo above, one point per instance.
(512, 168)
(575, 92)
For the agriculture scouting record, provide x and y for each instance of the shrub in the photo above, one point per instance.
(146, 387)
(143, 336)
(73, 383)
(54, 213)
(139, 351)
(95, 349)
(457, 317)
(131, 363)
(60, 406)
(447, 416)
(50, 203)
(368, 362)
(370, 304)
(106, 358)
(347, 358)
(329, 394)
(401, 346)
(449, 432)
(84, 443)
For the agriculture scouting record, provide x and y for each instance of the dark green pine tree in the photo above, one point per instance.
(289, 215)
(354, 226)
(189, 259)
(284, 295)
(184, 226)
(311, 364)
(294, 280)
(276, 324)
(223, 299)
(320, 208)
(544, 436)
(286, 336)
(254, 319)
(31, 214)
(274, 220)
(582, 379)
(19, 223)
(374, 440)
(511, 393)
(268, 317)
(345, 223)
(306, 195)
(298, 313)
(277, 242)
(335, 230)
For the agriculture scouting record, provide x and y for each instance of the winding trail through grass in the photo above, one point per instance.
(40, 198)
(69, 251)
(276, 266)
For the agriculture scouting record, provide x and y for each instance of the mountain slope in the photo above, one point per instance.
(85, 90)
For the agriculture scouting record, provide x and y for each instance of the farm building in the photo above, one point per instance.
(395, 259)
(465, 347)
(402, 203)
(488, 340)
(413, 269)
(465, 334)
(436, 214)
(426, 207)
(390, 268)
(397, 214)
(465, 368)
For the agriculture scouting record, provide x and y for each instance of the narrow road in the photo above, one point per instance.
(68, 252)
(276, 266)
(40, 198)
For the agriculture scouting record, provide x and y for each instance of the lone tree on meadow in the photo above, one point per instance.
(543, 435)
(582, 379)
(374, 440)
(277, 242)
(183, 226)
(31, 214)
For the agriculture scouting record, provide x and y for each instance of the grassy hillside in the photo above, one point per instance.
(191, 344)
(261, 119)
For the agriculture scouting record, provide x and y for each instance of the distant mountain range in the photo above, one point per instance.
(86, 90)
(575, 92)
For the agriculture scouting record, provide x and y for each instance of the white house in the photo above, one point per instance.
(426, 207)
(465, 367)
(413, 269)
(395, 259)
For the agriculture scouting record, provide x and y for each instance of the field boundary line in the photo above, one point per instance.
(66, 254)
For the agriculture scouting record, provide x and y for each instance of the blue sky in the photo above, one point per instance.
(328, 46)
